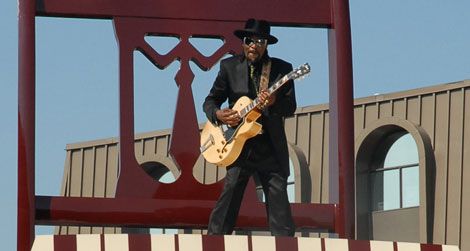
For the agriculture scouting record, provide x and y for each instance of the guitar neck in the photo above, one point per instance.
(270, 90)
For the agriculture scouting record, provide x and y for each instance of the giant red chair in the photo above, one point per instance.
(156, 204)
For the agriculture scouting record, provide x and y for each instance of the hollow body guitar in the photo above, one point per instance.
(221, 144)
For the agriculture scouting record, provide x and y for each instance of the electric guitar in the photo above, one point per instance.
(222, 144)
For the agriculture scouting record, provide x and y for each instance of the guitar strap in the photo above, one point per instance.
(263, 83)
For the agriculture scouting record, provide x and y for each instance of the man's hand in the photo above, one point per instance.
(228, 116)
(265, 100)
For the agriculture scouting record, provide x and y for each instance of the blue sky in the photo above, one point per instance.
(397, 45)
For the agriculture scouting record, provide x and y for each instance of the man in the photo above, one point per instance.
(265, 155)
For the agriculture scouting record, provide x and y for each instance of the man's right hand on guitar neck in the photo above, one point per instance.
(228, 116)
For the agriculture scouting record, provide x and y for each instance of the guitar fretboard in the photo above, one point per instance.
(270, 90)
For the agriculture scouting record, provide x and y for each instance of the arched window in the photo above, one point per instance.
(158, 171)
(395, 170)
(395, 180)
(291, 183)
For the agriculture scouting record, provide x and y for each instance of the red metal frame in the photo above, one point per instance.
(184, 144)
(26, 124)
(190, 204)
(342, 116)
(306, 13)
(169, 213)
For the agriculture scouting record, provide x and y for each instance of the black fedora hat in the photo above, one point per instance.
(259, 28)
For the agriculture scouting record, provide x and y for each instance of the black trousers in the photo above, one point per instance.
(274, 183)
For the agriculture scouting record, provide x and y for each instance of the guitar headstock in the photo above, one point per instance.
(300, 72)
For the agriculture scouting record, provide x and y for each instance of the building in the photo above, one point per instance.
(411, 164)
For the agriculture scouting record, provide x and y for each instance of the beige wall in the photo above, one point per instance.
(436, 117)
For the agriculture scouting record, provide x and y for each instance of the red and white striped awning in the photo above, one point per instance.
(197, 242)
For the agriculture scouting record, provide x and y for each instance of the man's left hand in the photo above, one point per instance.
(265, 100)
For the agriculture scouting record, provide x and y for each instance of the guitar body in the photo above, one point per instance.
(222, 147)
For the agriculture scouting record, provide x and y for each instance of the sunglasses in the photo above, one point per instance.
(257, 41)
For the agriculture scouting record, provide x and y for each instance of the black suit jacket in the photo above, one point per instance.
(232, 83)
